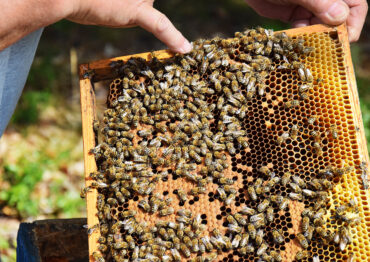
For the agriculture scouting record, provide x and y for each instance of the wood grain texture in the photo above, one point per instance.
(52, 240)
(101, 70)
(355, 103)
(88, 116)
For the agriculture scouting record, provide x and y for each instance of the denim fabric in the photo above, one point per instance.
(15, 63)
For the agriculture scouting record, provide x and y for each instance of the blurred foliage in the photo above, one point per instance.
(7, 246)
(22, 179)
(41, 160)
(23, 176)
(29, 106)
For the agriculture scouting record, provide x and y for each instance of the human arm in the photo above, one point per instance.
(308, 12)
(21, 17)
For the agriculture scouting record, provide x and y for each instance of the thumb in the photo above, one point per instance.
(332, 12)
(158, 24)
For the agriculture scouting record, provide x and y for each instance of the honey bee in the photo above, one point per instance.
(263, 205)
(211, 257)
(296, 188)
(265, 170)
(311, 120)
(218, 242)
(208, 245)
(252, 193)
(291, 104)
(98, 184)
(195, 245)
(92, 229)
(259, 237)
(269, 214)
(257, 217)
(195, 156)
(351, 257)
(175, 254)
(84, 191)
(234, 228)
(309, 233)
(240, 219)
(262, 249)
(317, 148)
(227, 242)
(252, 231)
(309, 193)
(305, 223)
(104, 229)
(283, 203)
(343, 170)
(247, 211)
(98, 257)
(102, 240)
(277, 236)
(308, 75)
(197, 190)
(327, 172)
(326, 183)
(334, 131)
(102, 248)
(299, 181)
(247, 249)
(301, 254)
(305, 87)
(226, 181)
(231, 220)
(303, 96)
(364, 175)
(166, 211)
(282, 138)
(301, 74)
(286, 178)
(266, 257)
(345, 238)
(294, 132)
(230, 148)
(302, 240)
(275, 256)
(229, 199)
(295, 196)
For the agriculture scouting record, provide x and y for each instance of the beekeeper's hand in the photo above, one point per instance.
(21, 17)
(308, 12)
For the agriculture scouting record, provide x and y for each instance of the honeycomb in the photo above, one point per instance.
(267, 118)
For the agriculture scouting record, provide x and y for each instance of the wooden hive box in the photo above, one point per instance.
(334, 101)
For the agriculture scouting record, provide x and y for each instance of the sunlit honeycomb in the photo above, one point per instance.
(329, 101)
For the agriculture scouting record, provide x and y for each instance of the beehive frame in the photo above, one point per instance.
(101, 70)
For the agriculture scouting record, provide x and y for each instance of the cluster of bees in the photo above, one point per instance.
(163, 121)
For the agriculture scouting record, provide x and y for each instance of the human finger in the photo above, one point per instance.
(271, 9)
(300, 17)
(159, 25)
(332, 12)
(356, 18)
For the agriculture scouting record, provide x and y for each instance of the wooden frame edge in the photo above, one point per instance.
(87, 96)
(354, 101)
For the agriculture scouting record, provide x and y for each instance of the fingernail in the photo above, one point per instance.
(186, 47)
(301, 23)
(338, 11)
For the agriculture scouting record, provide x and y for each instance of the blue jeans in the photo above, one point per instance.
(15, 63)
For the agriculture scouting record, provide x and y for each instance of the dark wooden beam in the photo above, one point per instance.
(53, 240)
